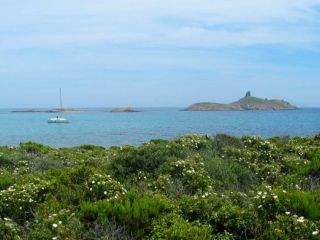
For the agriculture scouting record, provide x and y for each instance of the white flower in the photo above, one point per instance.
(260, 206)
(315, 232)
(287, 213)
(301, 219)
(54, 225)
(105, 193)
(54, 238)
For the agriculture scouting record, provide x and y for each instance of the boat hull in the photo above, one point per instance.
(58, 120)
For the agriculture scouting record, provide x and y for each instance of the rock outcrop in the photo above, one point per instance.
(125, 110)
(42, 110)
(246, 103)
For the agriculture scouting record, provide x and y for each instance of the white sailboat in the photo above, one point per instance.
(59, 119)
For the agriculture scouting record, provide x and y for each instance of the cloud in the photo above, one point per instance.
(179, 23)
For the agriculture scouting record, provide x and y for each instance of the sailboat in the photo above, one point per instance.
(59, 119)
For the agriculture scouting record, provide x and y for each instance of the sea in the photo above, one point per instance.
(103, 128)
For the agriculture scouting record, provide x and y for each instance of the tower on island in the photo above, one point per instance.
(248, 94)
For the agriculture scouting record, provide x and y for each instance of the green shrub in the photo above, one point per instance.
(133, 211)
(19, 200)
(190, 172)
(174, 227)
(57, 225)
(192, 187)
(229, 175)
(223, 140)
(301, 203)
(34, 148)
(6, 179)
(100, 187)
(9, 230)
(286, 227)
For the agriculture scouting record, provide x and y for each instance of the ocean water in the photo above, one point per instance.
(113, 129)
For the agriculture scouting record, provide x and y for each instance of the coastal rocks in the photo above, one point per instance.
(124, 110)
(40, 110)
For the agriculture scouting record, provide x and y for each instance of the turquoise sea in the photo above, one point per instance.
(99, 127)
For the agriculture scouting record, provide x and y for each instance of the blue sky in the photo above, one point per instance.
(159, 52)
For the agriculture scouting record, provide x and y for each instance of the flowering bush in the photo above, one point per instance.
(192, 187)
(9, 230)
(194, 141)
(291, 227)
(103, 187)
(191, 172)
(19, 200)
(57, 226)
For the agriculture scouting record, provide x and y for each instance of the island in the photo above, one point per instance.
(246, 103)
(124, 110)
(47, 110)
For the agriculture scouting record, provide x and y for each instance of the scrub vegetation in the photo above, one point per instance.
(192, 187)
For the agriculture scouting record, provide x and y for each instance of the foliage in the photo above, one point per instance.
(174, 227)
(133, 211)
(192, 187)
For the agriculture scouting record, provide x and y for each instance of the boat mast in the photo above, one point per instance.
(61, 109)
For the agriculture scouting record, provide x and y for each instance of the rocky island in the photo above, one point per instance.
(124, 110)
(45, 110)
(246, 103)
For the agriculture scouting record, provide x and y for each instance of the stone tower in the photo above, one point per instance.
(248, 94)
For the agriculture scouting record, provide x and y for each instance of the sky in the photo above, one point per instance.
(158, 53)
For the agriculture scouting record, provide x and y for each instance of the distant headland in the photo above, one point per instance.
(246, 103)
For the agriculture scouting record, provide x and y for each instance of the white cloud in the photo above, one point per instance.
(193, 23)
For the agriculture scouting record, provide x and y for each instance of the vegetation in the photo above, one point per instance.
(193, 187)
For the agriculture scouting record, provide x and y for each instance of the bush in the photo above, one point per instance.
(9, 230)
(174, 227)
(301, 203)
(34, 148)
(132, 211)
(100, 187)
(229, 175)
(6, 179)
(285, 227)
(192, 187)
(19, 200)
(190, 172)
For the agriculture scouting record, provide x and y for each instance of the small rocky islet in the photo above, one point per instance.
(124, 110)
(47, 110)
(246, 103)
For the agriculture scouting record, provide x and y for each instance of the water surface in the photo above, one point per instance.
(106, 129)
